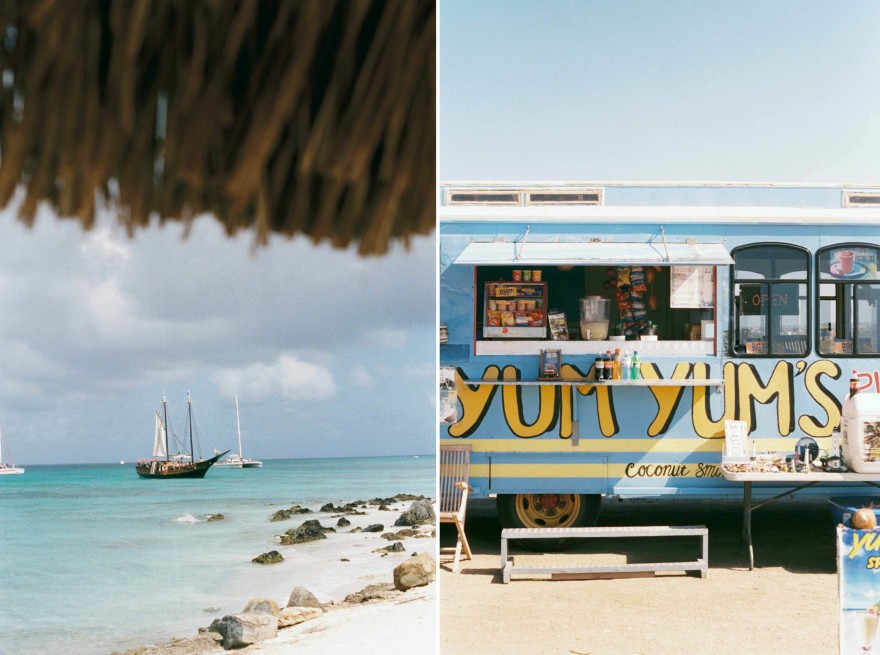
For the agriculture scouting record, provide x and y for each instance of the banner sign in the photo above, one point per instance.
(858, 566)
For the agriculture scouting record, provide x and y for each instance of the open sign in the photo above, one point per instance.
(756, 298)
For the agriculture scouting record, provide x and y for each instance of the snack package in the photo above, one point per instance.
(558, 326)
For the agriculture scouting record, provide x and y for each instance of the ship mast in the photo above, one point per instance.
(189, 414)
(165, 425)
(238, 428)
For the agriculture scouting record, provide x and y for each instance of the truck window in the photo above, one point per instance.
(770, 301)
(849, 291)
(636, 294)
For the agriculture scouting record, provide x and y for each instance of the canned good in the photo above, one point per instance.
(517, 275)
(536, 276)
(522, 305)
(527, 276)
(493, 305)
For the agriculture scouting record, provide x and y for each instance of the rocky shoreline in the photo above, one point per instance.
(263, 620)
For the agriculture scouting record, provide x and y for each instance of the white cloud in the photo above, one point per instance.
(103, 244)
(108, 305)
(288, 378)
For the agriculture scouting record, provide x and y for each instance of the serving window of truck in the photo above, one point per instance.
(601, 336)
(594, 295)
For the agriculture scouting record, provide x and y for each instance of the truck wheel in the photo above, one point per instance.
(548, 511)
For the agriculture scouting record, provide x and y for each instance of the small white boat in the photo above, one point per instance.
(237, 461)
(7, 468)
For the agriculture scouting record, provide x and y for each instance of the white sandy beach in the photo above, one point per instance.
(406, 625)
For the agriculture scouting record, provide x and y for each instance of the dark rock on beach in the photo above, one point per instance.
(284, 514)
(310, 530)
(396, 547)
(350, 509)
(419, 513)
(375, 527)
(281, 515)
(302, 597)
(405, 497)
(272, 557)
(401, 534)
(244, 629)
(343, 522)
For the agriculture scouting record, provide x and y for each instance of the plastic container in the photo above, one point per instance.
(860, 433)
(843, 508)
(595, 313)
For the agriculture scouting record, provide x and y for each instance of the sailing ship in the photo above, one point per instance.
(238, 461)
(180, 464)
(7, 468)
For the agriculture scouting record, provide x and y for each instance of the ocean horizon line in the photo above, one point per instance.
(264, 459)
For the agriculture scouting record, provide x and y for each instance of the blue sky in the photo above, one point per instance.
(331, 354)
(624, 90)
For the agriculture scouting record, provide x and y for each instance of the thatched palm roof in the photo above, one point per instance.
(285, 116)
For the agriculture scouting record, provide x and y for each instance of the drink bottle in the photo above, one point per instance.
(625, 363)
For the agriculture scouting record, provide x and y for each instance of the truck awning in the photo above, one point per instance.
(585, 253)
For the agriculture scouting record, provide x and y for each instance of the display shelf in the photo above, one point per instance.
(514, 310)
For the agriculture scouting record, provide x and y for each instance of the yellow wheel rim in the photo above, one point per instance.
(548, 510)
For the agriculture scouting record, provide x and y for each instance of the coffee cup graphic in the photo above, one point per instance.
(846, 261)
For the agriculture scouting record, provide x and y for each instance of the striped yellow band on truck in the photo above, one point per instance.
(597, 470)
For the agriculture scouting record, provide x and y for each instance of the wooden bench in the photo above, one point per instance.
(701, 565)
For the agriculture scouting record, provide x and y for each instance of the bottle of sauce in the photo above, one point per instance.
(635, 367)
(599, 368)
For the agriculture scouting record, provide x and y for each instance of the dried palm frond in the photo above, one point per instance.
(310, 117)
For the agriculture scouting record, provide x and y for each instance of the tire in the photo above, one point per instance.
(548, 511)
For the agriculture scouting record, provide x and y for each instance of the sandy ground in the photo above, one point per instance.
(405, 625)
(786, 605)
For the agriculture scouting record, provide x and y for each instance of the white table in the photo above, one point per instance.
(797, 481)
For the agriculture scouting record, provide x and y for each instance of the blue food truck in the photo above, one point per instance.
(706, 302)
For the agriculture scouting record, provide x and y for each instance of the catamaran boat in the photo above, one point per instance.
(7, 468)
(238, 461)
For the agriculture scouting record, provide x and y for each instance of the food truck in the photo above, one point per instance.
(699, 305)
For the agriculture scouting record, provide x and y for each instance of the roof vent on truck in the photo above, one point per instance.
(861, 198)
(532, 196)
(564, 197)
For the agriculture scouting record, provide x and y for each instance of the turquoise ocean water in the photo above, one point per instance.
(94, 559)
